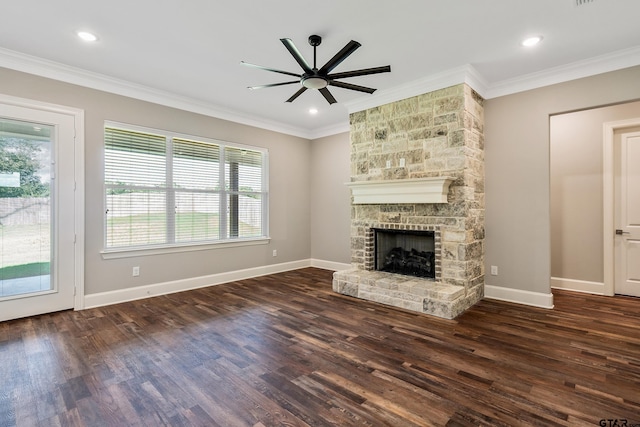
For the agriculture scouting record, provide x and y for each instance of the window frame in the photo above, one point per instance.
(170, 190)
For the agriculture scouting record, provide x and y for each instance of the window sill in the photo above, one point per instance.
(169, 249)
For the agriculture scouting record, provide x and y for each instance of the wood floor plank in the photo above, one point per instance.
(285, 350)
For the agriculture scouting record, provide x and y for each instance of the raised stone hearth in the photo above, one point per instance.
(418, 164)
(411, 293)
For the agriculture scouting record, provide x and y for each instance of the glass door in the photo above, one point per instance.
(37, 211)
(26, 208)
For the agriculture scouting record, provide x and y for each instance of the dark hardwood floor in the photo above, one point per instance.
(285, 350)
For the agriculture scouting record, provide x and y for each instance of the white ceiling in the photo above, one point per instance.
(187, 53)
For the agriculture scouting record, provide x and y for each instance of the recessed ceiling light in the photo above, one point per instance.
(313, 111)
(87, 36)
(531, 41)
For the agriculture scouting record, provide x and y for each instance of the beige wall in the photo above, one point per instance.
(289, 182)
(576, 190)
(330, 199)
(517, 171)
(517, 183)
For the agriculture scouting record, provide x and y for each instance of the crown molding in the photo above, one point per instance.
(468, 74)
(613, 61)
(57, 71)
(464, 74)
(330, 130)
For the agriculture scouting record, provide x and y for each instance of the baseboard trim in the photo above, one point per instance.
(101, 299)
(329, 265)
(535, 299)
(596, 288)
(140, 292)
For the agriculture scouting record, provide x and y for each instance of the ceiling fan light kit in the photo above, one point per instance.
(319, 79)
(313, 82)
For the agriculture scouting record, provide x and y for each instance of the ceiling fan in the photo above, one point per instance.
(314, 78)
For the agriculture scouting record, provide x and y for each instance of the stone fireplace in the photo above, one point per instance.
(417, 168)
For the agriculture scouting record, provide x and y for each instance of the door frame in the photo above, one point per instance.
(609, 200)
(78, 161)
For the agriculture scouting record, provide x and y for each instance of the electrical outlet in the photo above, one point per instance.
(388, 164)
(402, 163)
(136, 271)
(494, 270)
(275, 252)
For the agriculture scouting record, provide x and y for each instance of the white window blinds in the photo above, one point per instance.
(135, 184)
(196, 181)
(165, 190)
(243, 170)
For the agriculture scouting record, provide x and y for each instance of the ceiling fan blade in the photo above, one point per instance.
(327, 95)
(362, 72)
(339, 57)
(297, 94)
(270, 69)
(351, 86)
(293, 50)
(273, 85)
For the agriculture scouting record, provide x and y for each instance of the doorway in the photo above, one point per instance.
(582, 196)
(40, 208)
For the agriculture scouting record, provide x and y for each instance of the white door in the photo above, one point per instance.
(37, 262)
(627, 215)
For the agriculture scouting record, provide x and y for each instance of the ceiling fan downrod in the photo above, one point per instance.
(315, 80)
(315, 41)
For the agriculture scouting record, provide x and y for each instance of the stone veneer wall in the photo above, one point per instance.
(437, 134)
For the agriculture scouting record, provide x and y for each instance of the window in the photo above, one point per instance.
(163, 189)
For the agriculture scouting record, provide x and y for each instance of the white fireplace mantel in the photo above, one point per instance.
(405, 191)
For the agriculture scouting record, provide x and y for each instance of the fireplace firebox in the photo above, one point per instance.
(407, 252)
